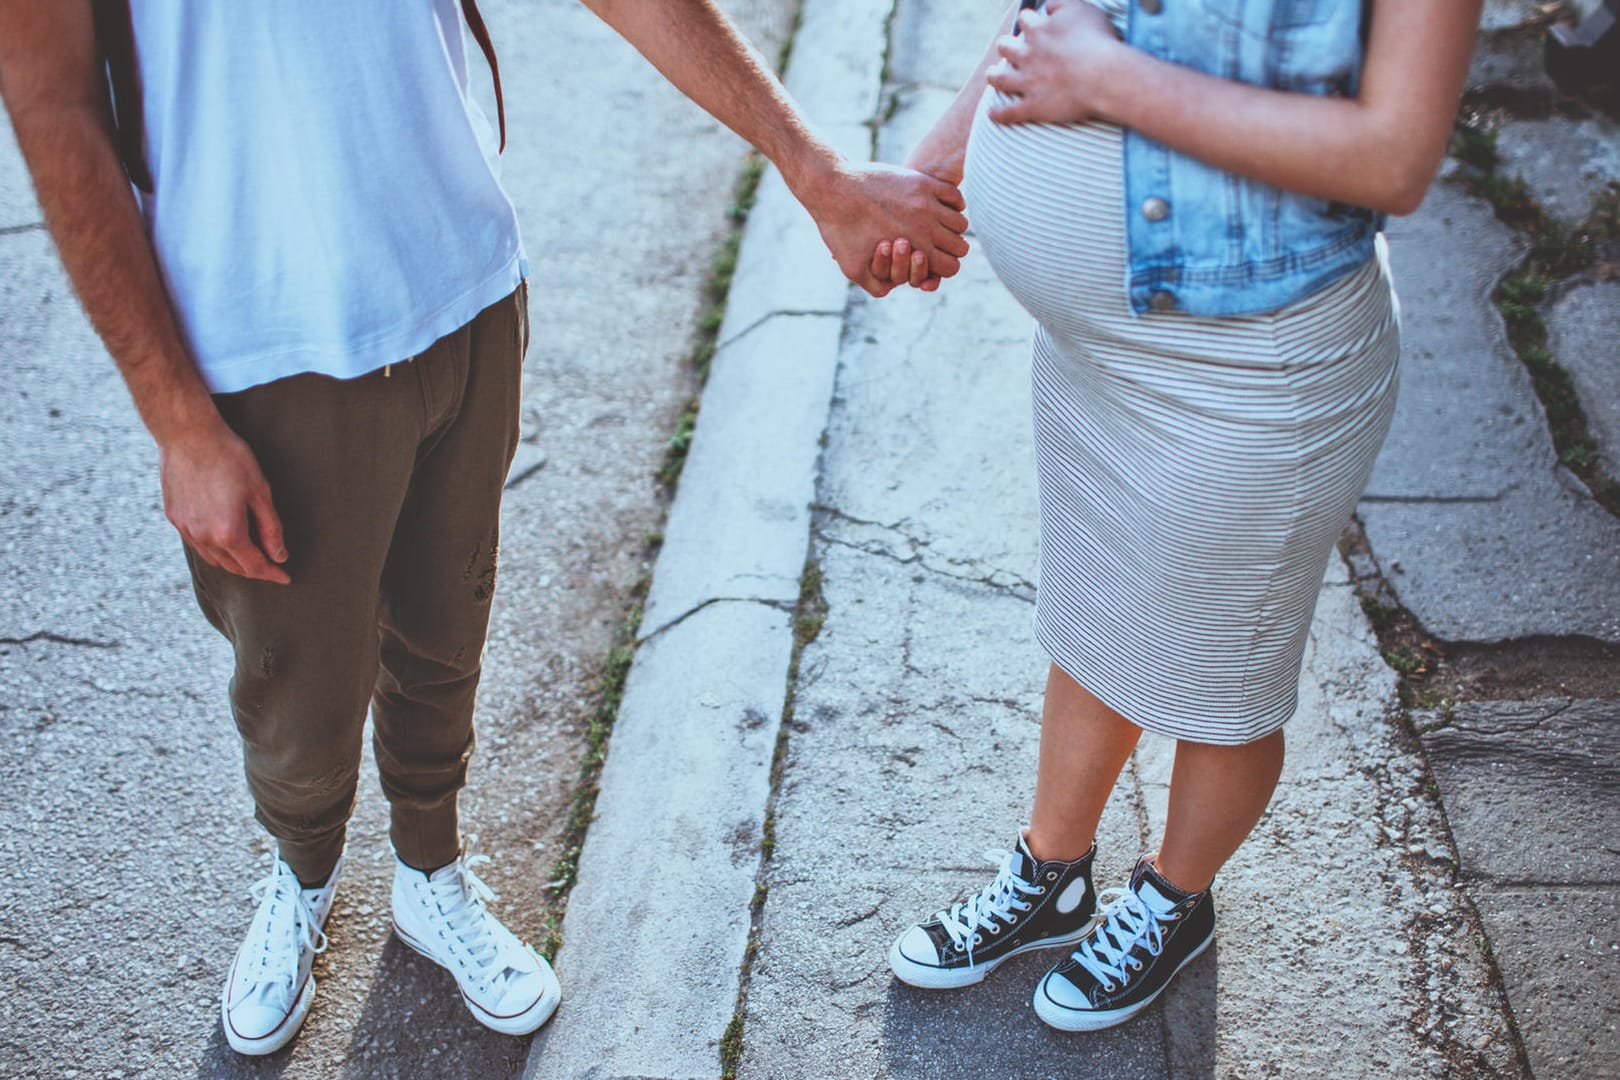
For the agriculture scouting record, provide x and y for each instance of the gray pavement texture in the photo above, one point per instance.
(1566, 162)
(1583, 326)
(1440, 905)
(126, 834)
(1532, 794)
(1480, 532)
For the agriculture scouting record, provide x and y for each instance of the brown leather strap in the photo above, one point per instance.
(480, 33)
(115, 35)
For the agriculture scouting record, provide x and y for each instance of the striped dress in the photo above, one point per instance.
(1194, 472)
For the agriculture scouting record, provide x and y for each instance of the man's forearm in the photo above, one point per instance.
(695, 47)
(102, 240)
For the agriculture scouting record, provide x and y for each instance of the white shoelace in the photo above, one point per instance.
(290, 927)
(1126, 922)
(999, 899)
(461, 898)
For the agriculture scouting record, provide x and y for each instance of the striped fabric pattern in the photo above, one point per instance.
(1194, 472)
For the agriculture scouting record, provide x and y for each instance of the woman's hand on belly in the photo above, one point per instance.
(1057, 71)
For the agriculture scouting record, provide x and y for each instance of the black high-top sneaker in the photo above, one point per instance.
(1029, 905)
(1143, 936)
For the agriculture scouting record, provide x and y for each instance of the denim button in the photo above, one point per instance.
(1162, 301)
(1151, 7)
(1155, 209)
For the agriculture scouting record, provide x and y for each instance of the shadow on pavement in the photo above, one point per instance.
(990, 1030)
(415, 1024)
(219, 1060)
(1188, 1009)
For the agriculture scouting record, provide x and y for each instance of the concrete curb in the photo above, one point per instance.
(657, 926)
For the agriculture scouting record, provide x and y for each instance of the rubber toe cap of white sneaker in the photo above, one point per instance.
(253, 1021)
(915, 945)
(1063, 992)
(526, 1003)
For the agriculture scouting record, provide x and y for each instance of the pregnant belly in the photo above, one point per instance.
(1045, 202)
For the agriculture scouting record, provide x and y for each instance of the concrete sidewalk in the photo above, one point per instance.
(1351, 940)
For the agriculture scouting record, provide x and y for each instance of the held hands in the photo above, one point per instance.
(1058, 70)
(216, 496)
(896, 260)
(867, 204)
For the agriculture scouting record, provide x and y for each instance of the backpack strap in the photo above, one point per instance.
(115, 36)
(480, 33)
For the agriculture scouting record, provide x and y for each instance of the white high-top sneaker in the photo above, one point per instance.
(269, 990)
(507, 985)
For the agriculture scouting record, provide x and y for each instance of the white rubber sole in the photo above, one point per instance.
(275, 1040)
(927, 977)
(527, 1022)
(1066, 1019)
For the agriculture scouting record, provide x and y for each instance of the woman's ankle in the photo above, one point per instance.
(1056, 845)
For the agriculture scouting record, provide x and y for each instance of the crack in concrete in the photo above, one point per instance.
(790, 313)
(1538, 883)
(18, 230)
(846, 923)
(518, 478)
(61, 639)
(779, 605)
(1017, 587)
(1020, 588)
(1433, 500)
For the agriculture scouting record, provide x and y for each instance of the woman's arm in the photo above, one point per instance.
(1379, 149)
(939, 153)
(942, 151)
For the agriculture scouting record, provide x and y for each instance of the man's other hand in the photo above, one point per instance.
(216, 495)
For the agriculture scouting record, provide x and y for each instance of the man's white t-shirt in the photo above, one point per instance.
(325, 189)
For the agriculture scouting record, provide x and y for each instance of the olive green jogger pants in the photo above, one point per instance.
(389, 491)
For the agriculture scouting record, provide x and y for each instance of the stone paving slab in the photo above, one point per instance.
(1532, 788)
(1583, 335)
(738, 526)
(1559, 952)
(659, 921)
(1566, 163)
(1478, 530)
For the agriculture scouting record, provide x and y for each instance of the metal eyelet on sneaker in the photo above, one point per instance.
(1040, 890)
(995, 928)
(1051, 875)
(978, 939)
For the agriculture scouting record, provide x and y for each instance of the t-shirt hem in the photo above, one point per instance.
(392, 347)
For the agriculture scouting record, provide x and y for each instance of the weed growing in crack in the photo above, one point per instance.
(1556, 253)
(608, 695)
(711, 316)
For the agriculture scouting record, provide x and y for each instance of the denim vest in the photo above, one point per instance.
(1205, 241)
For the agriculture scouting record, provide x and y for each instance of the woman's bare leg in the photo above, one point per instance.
(1217, 794)
(1084, 745)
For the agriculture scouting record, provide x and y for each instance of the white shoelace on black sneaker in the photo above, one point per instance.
(290, 928)
(493, 953)
(998, 900)
(1125, 923)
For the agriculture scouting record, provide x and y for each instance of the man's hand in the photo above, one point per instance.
(50, 77)
(216, 495)
(863, 206)
(1057, 69)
